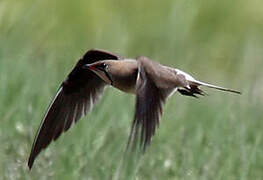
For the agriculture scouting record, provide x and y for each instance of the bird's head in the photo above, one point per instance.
(101, 68)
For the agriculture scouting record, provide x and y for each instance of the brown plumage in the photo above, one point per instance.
(150, 81)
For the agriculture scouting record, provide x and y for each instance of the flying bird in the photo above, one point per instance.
(148, 80)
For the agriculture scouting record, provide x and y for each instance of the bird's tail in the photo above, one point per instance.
(192, 89)
(199, 83)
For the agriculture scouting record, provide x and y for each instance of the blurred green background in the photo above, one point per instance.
(215, 137)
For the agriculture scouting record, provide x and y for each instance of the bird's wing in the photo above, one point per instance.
(74, 99)
(149, 100)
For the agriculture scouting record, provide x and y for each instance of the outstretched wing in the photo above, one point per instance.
(149, 100)
(74, 99)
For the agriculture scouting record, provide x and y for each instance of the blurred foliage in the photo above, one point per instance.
(216, 137)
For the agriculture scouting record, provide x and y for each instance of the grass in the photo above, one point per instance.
(215, 137)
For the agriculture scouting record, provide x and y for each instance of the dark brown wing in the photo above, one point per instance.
(74, 99)
(148, 109)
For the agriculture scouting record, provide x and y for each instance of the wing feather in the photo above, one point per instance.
(148, 108)
(75, 98)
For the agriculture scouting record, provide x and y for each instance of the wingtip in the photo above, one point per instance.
(30, 163)
(31, 160)
(234, 91)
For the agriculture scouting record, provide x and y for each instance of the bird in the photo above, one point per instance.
(151, 82)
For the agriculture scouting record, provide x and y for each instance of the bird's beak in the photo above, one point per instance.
(88, 66)
(100, 72)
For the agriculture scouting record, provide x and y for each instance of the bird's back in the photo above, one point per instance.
(163, 76)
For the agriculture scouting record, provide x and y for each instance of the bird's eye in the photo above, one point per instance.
(104, 65)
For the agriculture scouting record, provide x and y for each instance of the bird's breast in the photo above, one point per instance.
(125, 75)
(126, 83)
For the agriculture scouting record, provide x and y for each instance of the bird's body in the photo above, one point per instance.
(150, 81)
(124, 74)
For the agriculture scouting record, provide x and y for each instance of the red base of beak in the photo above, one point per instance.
(91, 67)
